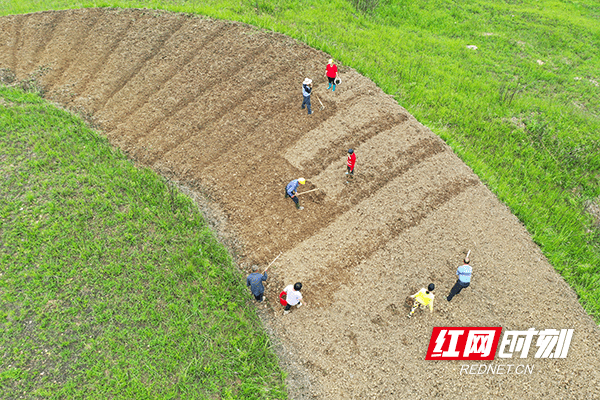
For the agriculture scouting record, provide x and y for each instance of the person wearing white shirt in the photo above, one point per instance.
(293, 297)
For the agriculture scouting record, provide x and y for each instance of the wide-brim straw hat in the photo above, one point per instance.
(307, 81)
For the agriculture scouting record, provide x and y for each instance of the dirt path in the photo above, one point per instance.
(216, 105)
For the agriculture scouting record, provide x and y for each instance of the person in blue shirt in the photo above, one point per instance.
(291, 190)
(254, 281)
(464, 279)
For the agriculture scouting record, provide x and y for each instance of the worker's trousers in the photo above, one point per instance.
(306, 102)
(295, 199)
(458, 286)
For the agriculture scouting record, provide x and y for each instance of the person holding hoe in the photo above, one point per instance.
(306, 90)
(291, 190)
(464, 273)
(255, 280)
(331, 72)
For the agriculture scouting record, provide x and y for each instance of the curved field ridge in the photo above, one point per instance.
(216, 105)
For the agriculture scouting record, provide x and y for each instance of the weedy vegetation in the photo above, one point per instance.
(111, 284)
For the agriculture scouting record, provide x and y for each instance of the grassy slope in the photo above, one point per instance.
(111, 283)
(530, 131)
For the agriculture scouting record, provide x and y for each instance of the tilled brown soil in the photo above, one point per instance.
(216, 106)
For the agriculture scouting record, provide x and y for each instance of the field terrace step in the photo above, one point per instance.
(379, 158)
(399, 205)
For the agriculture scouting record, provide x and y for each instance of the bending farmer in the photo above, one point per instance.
(423, 298)
(254, 281)
(291, 190)
(293, 297)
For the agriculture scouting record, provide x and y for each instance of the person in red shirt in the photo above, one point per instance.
(331, 73)
(351, 162)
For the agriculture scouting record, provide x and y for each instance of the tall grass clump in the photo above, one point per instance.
(111, 283)
(520, 107)
(365, 6)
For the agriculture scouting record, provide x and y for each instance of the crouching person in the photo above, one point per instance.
(293, 297)
(423, 298)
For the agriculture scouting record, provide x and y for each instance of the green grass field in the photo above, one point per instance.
(111, 283)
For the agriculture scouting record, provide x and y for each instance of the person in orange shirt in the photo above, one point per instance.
(423, 297)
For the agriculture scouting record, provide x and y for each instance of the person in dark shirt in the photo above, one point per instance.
(254, 281)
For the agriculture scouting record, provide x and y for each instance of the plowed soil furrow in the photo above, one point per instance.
(181, 139)
(19, 21)
(352, 140)
(215, 106)
(44, 37)
(35, 33)
(132, 54)
(9, 36)
(237, 122)
(260, 179)
(337, 271)
(100, 43)
(200, 76)
(367, 226)
(363, 340)
(68, 37)
(379, 175)
(107, 73)
(318, 141)
(386, 152)
(276, 225)
(178, 52)
(190, 95)
(256, 178)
